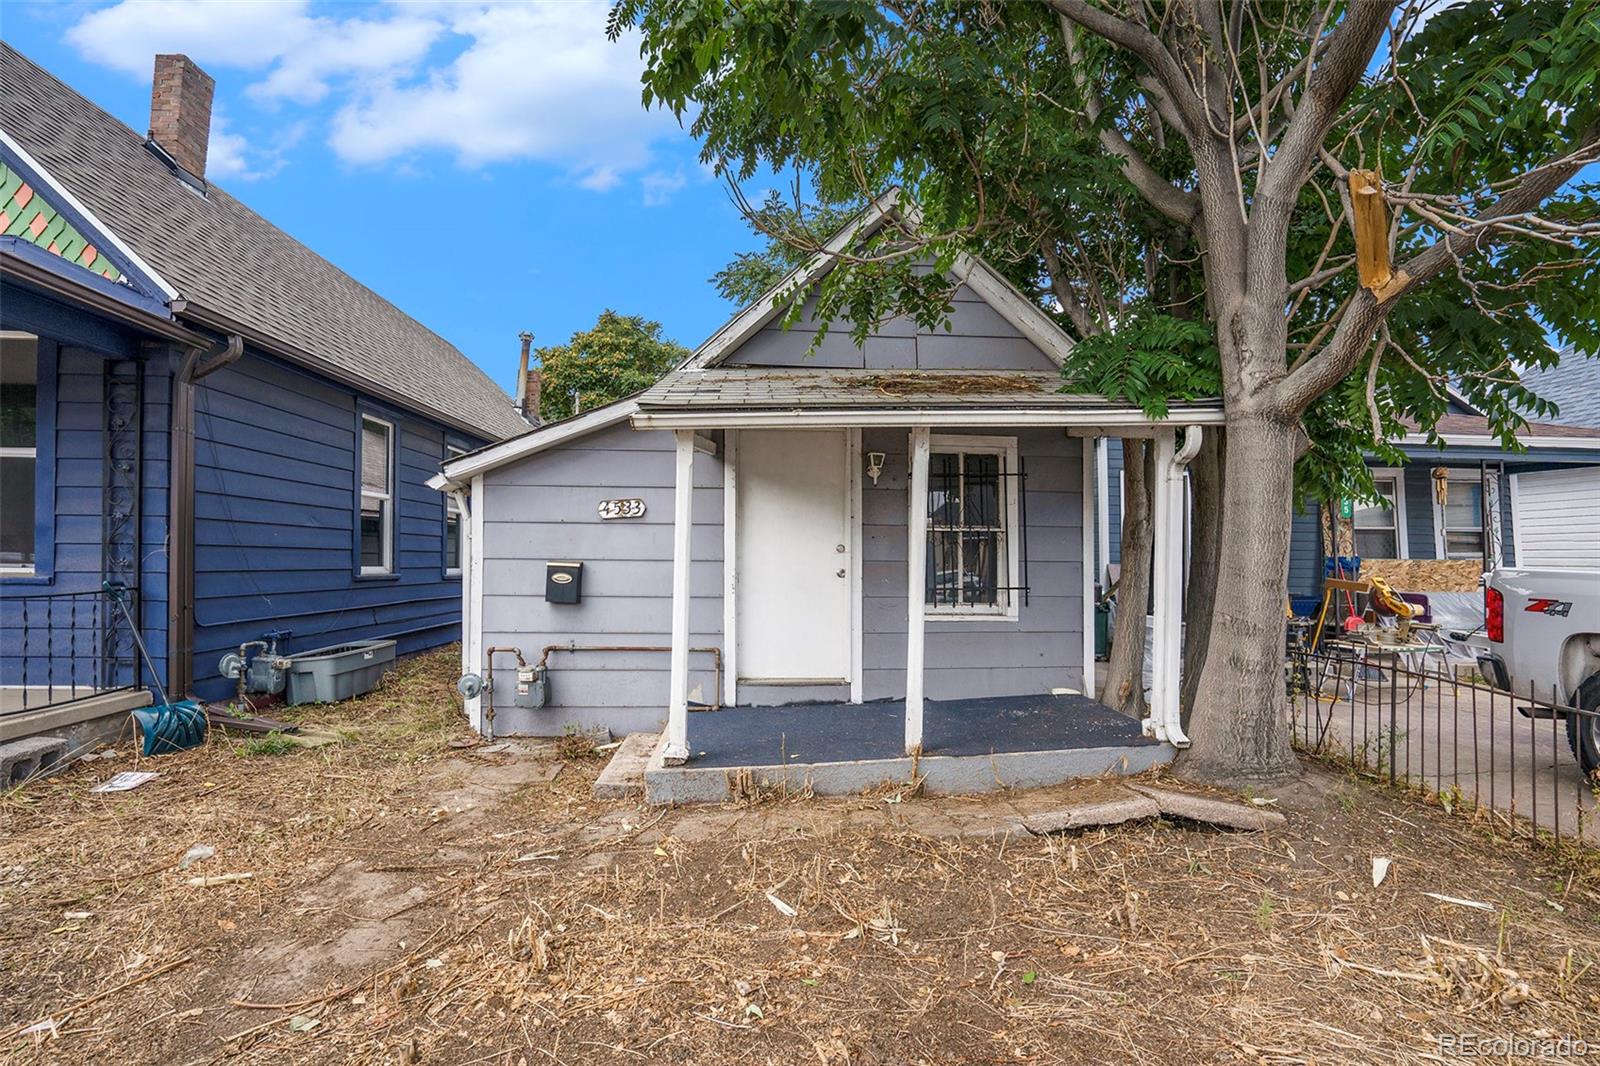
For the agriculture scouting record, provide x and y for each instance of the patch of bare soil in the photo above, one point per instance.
(410, 901)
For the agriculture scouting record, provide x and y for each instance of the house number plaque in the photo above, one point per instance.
(621, 508)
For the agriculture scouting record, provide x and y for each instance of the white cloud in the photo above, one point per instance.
(536, 81)
(659, 186)
(484, 82)
(235, 156)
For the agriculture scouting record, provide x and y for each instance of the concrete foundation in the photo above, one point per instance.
(84, 723)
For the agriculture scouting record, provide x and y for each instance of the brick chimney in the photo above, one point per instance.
(180, 111)
(529, 382)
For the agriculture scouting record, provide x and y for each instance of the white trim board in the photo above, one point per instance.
(912, 417)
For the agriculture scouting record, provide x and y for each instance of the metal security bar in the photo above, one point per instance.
(1513, 757)
(63, 646)
(968, 539)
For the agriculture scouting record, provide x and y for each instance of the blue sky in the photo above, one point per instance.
(488, 168)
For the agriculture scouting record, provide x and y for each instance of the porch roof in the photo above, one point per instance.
(723, 396)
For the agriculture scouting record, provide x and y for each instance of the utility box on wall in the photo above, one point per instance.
(563, 582)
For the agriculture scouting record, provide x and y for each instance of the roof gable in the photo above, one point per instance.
(991, 326)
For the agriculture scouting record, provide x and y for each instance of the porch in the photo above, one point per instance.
(968, 745)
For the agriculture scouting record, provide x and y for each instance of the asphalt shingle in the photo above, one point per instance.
(1573, 385)
(224, 258)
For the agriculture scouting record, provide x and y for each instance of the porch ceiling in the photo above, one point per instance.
(853, 396)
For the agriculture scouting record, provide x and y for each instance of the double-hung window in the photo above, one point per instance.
(1379, 533)
(972, 527)
(19, 450)
(1460, 517)
(452, 525)
(377, 496)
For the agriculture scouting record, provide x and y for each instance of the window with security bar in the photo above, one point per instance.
(975, 495)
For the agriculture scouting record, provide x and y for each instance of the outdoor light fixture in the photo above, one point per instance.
(874, 465)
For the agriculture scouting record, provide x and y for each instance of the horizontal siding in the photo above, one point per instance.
(977, 337)
(544, 509)
(275, 504)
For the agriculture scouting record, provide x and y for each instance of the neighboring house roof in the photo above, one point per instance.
(235, 271)
(1029, 319)
(1472, 431)
(1573, 385)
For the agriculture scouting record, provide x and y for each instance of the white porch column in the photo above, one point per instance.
(1091, 490)
(916, 576)
(677, 747)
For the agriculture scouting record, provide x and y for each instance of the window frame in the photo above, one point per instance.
(1441, 530)
(1008, 607)
(42, 572)
(1401, 544)
(452, 511)
(391, 498)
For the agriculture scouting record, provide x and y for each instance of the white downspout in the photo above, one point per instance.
(1173, 541)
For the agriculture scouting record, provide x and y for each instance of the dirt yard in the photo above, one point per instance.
(412, 898)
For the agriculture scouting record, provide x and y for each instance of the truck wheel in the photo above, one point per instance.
(1583, 730)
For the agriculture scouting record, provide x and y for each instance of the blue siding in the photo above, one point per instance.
(1305, 552)
(275, 504)
(1419, 511)
(1114, 498)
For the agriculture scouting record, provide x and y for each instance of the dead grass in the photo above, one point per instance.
(414, 902)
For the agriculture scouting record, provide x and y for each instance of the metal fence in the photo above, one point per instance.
(63, 646)
(1415, 724)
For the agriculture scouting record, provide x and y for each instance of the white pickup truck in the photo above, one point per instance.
(1544, 628)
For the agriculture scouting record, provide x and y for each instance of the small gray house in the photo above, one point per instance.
(795, 551)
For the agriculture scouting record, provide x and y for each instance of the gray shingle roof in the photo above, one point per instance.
(744, 387)
(1572, 385)
(224, 258)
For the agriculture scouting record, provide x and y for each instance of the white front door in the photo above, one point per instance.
(794, 561)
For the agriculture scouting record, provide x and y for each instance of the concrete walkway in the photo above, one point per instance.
(1462, 736)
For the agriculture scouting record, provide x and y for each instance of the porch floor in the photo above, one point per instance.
(970, 745)
(846, 732)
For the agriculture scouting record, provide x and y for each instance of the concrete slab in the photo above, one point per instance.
(1197, 808)
(941, 775)
(623, 776)
(23, 760)
(85, 723)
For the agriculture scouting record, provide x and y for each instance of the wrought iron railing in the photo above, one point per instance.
(63, 646)
(1524, 760)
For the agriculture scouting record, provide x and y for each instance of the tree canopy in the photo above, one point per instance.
(620, 356)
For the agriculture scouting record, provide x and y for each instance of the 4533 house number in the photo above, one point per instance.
(622, 508)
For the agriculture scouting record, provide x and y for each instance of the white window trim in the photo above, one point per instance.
(1402, 545)
(387, 497)
(453, 508)
(15, 569)
(1466, 474)
(1008, 610)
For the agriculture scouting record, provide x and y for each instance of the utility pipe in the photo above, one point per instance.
(714, 652)
(488, 684)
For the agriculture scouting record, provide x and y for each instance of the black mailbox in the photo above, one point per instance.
(563, 582)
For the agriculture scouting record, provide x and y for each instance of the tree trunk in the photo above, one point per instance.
(1205, 546)
(1124, 687)
(1240, 718)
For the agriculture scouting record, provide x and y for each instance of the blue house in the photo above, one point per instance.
(1540, 502)
(198, 407)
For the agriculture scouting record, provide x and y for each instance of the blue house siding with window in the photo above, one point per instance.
(276, 500)
(75, 357)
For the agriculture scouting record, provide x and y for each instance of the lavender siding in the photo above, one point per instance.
(977, 338)
(544, 509)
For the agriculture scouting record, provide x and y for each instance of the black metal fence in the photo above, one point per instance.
(63, 646)
(1412, 722)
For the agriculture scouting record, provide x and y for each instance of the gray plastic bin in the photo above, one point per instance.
(339, 672)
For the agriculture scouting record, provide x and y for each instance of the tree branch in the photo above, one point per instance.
(1175, 203)
(1142, 43)
(1355, 331)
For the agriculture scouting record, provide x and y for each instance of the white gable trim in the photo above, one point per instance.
(60, 194)
(459, 472)
(1028, 318)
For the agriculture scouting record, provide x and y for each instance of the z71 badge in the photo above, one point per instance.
(1555, 608)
